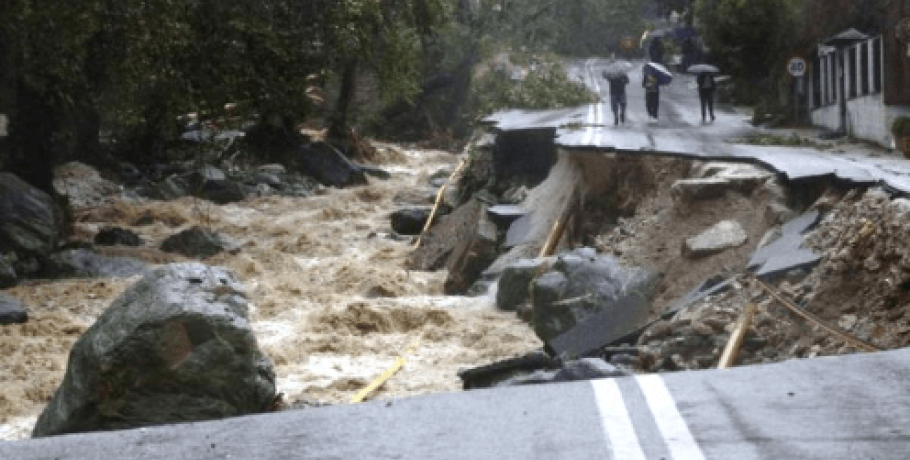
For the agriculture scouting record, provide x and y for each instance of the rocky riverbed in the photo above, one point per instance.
(333, 303)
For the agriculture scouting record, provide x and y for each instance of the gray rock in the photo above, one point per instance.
(266, 178)
(8, 276)
(327, 165)
(410, 221)
(273, 168)
(171, 188)
(587, 369)
(12, 311)
(222, 191)
(85, 263)
(30, 222)
(724, 235)
(582, 284)
(207, 173)
(515, 283)
(688, 190)
(113, 236)
(196, 242)
(175, 347)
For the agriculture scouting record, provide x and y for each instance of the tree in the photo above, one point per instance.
(749, 38)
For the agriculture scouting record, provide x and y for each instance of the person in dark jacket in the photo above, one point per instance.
(706, 87)
(618, 96)
(652, 94)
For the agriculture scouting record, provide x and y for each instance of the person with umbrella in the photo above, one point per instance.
(615, 74)
(653, 76)
(706, 88)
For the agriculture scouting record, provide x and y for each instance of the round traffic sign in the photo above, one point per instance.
(797, 67)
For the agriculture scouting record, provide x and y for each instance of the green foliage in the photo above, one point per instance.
(901, 127)
(546, 86)
(143, 63)
(577, 27)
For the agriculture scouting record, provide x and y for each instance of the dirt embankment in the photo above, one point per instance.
(333, 301)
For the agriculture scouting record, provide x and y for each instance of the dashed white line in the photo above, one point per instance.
(616, 422)
(669, 421)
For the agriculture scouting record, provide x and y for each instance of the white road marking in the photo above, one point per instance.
(616, 422)
(669, 421)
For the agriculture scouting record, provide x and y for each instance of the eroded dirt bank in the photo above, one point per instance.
(334, 304)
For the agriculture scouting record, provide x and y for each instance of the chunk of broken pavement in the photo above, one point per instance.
(722, 236)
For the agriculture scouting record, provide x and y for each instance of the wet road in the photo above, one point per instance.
(679, 131)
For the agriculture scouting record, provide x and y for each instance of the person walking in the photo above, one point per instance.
(652, 94)
(706, 87)
(618, 97)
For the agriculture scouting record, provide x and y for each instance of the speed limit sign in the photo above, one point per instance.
(797, 67)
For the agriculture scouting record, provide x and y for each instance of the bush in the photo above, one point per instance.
(901, 127)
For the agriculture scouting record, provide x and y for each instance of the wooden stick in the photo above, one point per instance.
(856, 342)
(439, 197)
(736, 339)
(558, 228)
(400, 361)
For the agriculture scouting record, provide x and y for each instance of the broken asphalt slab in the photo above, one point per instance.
(787, 252)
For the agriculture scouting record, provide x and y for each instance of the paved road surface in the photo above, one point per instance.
(849, 407)
(679, 131)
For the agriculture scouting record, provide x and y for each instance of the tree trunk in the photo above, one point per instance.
(339, 127)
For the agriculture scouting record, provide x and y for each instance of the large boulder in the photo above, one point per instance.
(583, 283)
(31, 223)
(175, 347)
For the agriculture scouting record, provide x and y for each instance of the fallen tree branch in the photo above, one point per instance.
(846, 337)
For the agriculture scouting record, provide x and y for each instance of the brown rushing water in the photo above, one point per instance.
(332, 302)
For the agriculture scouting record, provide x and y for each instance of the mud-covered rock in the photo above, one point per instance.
(175, 347)
(196, 242)
(114, 236)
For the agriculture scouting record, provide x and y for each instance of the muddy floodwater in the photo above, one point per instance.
(333, 304)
